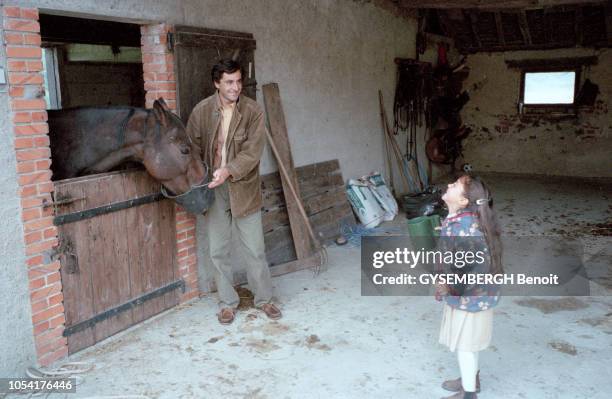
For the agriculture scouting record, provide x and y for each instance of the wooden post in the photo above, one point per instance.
(278, 131)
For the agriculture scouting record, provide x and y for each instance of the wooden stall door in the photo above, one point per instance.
(196, 50)
(118, 267)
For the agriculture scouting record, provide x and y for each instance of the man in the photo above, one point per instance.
(230, 129)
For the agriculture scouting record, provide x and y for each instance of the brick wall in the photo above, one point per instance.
(30, 129)
(159, 78)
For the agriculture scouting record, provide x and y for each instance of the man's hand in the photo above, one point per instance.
(219, 177)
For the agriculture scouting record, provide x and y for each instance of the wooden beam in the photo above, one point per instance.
(500, 29)
(552, 62)
(524, 27)
(489, 4)
(578, 26)
(472, 19)
(609, 23)
(278, 131)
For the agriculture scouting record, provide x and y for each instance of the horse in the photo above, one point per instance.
(88, 140)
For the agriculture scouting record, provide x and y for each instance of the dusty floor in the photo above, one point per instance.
(334, 343)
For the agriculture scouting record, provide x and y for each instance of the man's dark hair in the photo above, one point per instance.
(226, 65)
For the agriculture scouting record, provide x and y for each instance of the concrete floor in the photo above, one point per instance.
(334, 343)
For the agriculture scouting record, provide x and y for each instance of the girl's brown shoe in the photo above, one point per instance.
(455, 385)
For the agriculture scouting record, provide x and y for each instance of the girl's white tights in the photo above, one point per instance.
(468, 365)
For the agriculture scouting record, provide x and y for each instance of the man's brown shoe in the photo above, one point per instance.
(271, 311)
(226, 316)
(455, 385)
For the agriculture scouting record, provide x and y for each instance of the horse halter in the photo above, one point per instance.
(198, 199)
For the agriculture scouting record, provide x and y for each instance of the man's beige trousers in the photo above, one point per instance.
(218, 223)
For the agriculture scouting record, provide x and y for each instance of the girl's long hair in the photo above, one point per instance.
(475, 189)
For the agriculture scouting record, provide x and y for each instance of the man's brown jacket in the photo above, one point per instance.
(245, 142)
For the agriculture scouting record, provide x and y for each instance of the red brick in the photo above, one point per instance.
(45, 164)
(39, 306)
(40, 246)
(49, 336)
(190, 242)
(34, 66)
(24, 142)
(38, 224)
(34, 261)
(25, 78)
(16, 91)
(33, 237)
(44, 348)
(36, 177)
(22, 25)
(48, 314)
(156, 68)
(56, 321)
(29, 13)
(36, 284)
(30, 214)
(164, 77)
(166, 95)
(26, 167)
(40, 116)
(28, 191)
(48, 359)
(45, 292)
(31, 202)
(12, 12)
(44, 188)
(23, 52)
(50, 232)
(41, 142)
(17, 66)
(185, 225)
(37, 104)
(33, 39)
(55, 299)
(53, 277)
(32, 128)
(13, 38)
(39, 328)
(21, 117)
(33, 153)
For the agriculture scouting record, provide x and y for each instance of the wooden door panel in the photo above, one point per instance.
(120, 255)
(196, 50)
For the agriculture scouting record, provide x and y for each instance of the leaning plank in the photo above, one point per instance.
(278, 131)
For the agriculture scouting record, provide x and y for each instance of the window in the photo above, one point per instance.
(549, 87)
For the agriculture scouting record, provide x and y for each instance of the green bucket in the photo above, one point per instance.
(421, 232)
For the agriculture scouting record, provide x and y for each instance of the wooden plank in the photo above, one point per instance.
(608, 24)
(524, 27)
(500, 29)
(472, 17)
(76, 287)
(278, 131)
(111, 283)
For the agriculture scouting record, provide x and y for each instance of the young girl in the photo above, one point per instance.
(467, 320)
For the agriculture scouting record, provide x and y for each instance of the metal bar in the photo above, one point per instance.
(80, 326)
(101, 210)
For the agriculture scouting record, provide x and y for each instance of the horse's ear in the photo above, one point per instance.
(159, 109)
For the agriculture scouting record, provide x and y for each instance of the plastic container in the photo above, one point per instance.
(421, 233)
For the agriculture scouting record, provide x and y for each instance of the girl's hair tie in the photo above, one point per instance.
(482, 201)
